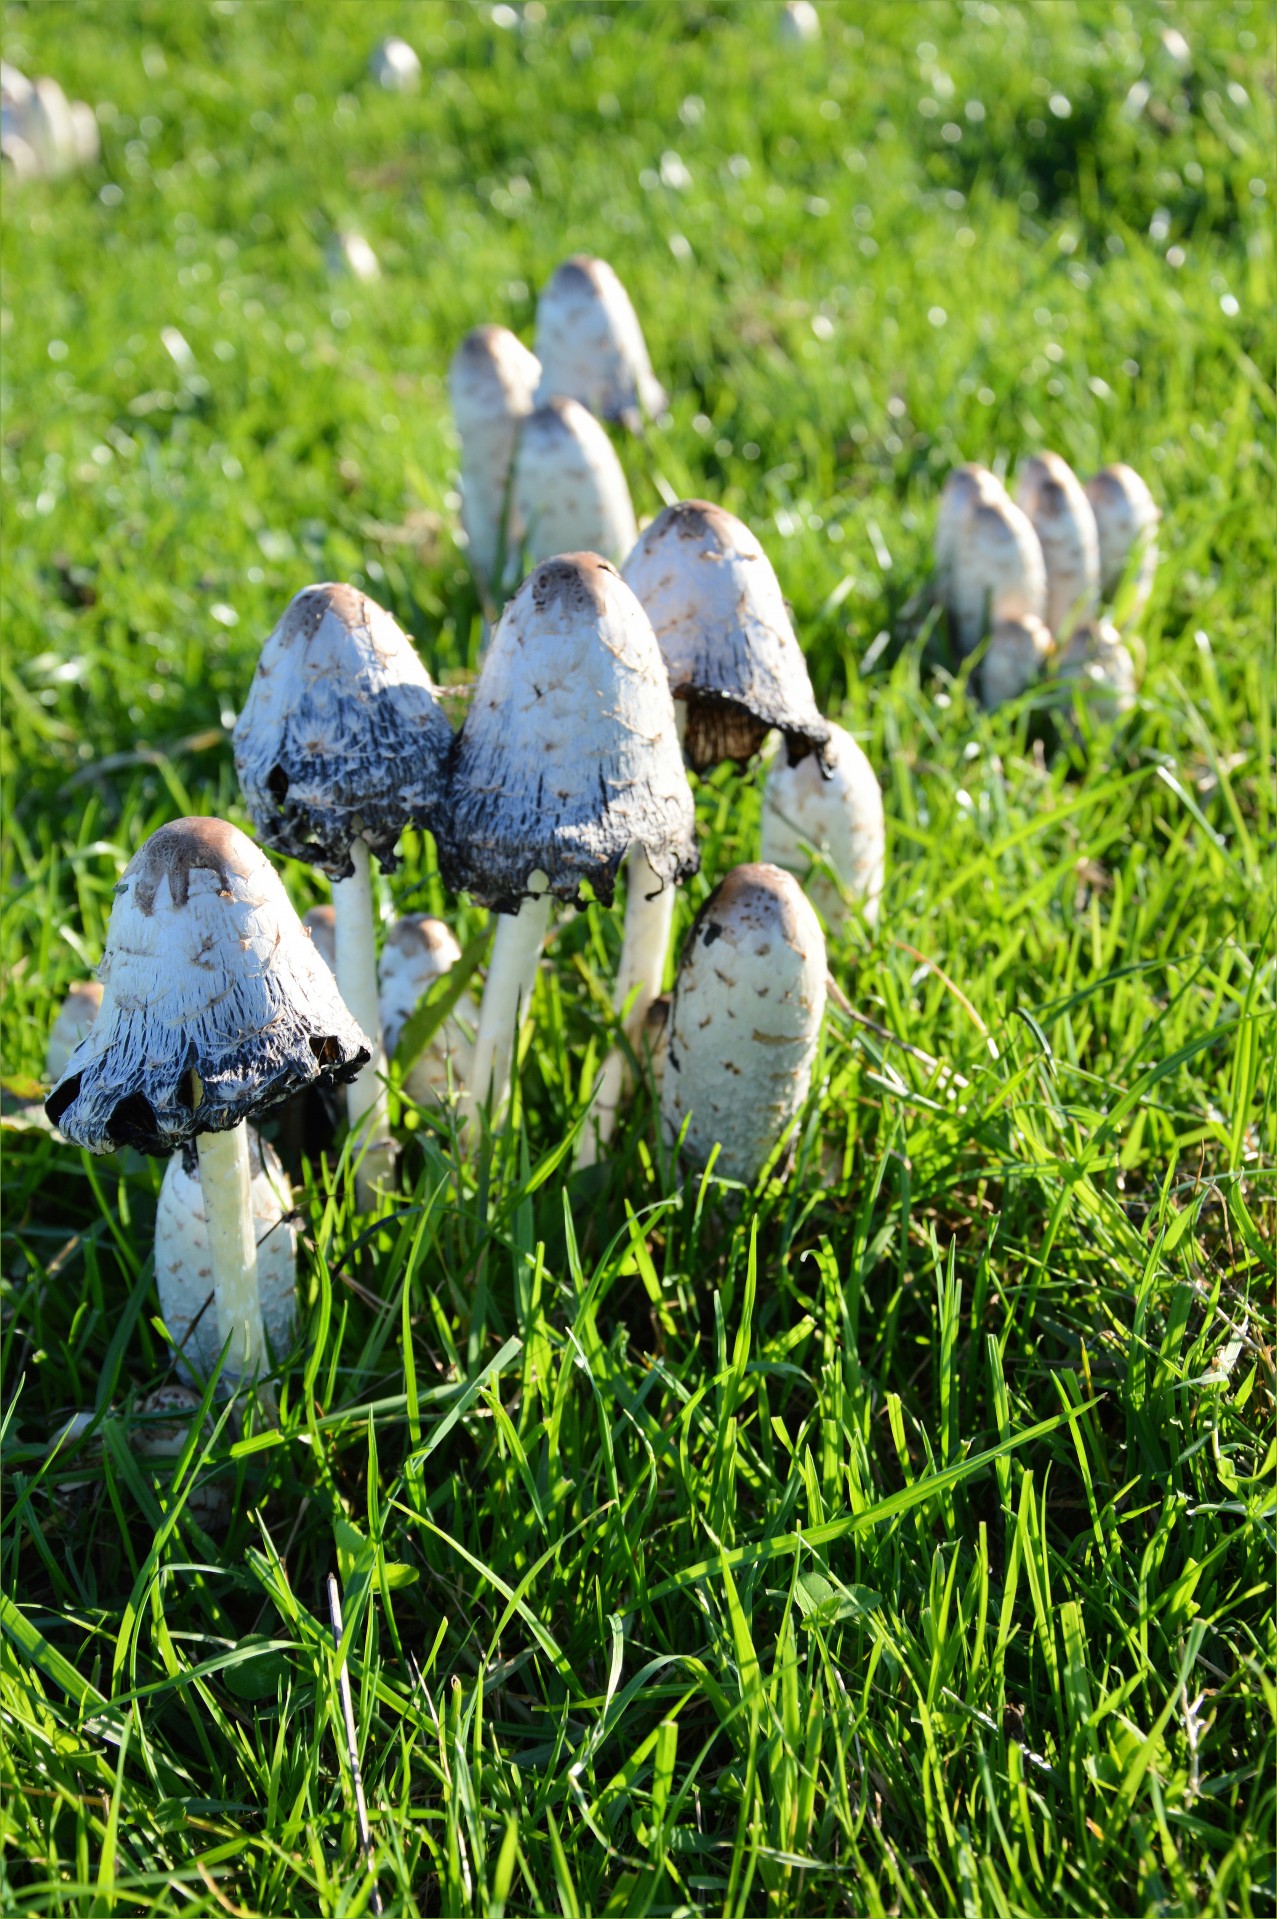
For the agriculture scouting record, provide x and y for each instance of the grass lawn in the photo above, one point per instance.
(897, 1538)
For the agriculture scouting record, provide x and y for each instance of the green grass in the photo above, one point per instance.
(898, 1538)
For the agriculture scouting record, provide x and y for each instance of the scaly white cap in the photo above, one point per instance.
(1127, 518)
(570, 494)
(214, 1003)
(730, 651)
(1050, 492)
(492, 381)
(998, 572)
(417, 952)
(745, 1021)
(836, 821)
(591, 346)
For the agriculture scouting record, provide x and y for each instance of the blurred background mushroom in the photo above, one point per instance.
(591, 346)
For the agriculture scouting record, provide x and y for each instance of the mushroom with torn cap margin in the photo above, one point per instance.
(492, 381)
(744, 1022)
(591, 346)
(828, 829)
(214, 1007)
(341, 743)
(570, 495)
(568, 758)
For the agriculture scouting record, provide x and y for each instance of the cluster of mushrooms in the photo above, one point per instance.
(622, 662)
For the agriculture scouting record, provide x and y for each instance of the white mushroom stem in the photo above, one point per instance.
(511, 976)
(357, 983)
(226, 1183)
(640, 975)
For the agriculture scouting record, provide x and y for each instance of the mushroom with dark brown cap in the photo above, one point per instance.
(214, 1007)
(568, 758)
(341, 743)
(491, 380)
(723, 627)
(591, 346)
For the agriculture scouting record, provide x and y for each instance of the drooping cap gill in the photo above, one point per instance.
(591, 345)
(722, 624)
(569, 753)
(214, 1006)
(341, 736)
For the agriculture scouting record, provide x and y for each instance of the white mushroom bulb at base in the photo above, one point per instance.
(1049, 491)
(214, 1007)
(998, 572)
(1127, 518)
(341, 743)
(395, 66)
(724, 630)
(75, 1016)
(184, 1261)
(744, 1022)
(570, 495)
(1013, 660)
(591, 346)
(417, 952)
(828, 829)
(568, 758)
(491, 381)
(1096, 668)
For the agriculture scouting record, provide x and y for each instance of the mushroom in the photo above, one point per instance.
(394, 66)
(321, 923)
(1013, 660)
(214, 1008)
(48, 125)
(591, 346)
(570, 494)
(1096, 664)
(341, 743)
(184, 1263)
(998, 572)
(964, 489)
(350, 252)
(568, 758)
(492, 380)
(159, 1430)
(1050, 492)
(724, 629)
(1127, 519)
(417, 952)
(799, 23)
(75, 1016)
(744, 1022)
(828, 829)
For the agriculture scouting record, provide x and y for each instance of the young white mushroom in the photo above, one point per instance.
(828, 829)
(46, 122)
(998, 572)
(964, 489)
(730, 651)
(568, 758)
(341, 743)
(418, 951)
(1013, 660)
(75, 1016)
(214, 1008)
(350, 252)
(744, 1023)
(184, 1261)
(570, 494)
(799, 23)
(1127, 518)
(394, 66)
(1049, 491)
(492, 381)
(1096, 665)
(158, 1432)
(18, 158)
(591, 346)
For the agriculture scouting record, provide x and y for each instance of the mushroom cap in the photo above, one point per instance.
(184, 1262)
(1013, 659)
(998, 572)
(321, 923)
(75, 1016)
(591, 346)
(963, 490)
(1049, 491)
(569, 753)
(215, 1004)
(395, 66)
(342, 736)
(417, 952)
(570, 494)
(492, 381)
(1126, 516)
(799, 23)
(730, 651)
(745, 1021)
(838, 815)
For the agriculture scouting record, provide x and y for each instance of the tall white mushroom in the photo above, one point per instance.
(1127, 518)
(965, 488)
(998, 572)
(418, 951)
(828, 829)
(744, 1022)
(341, 743)
(570, 494)
(591, 346)
(214, 1007)
(492, 381)
(1013, 660)
(568, 758)
(1050, 492)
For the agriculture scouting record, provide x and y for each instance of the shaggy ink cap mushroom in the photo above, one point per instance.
(1050, 492)
(491, 381)
(591, 346)
(730, 650)
(569, 753)
(570, 495)
(818, 825)
(1126, 519)
(998, 571)
(214, 1003)
(342, 737)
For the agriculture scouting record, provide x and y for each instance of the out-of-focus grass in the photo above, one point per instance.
(902, 1538)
